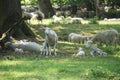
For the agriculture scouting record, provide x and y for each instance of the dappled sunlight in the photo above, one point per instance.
(7, 62)
(58, 28)
(109, 22)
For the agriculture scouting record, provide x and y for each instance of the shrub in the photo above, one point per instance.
(93, 20)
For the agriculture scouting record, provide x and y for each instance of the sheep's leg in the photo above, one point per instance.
(55, 50)
(92, 53)
(49, 50)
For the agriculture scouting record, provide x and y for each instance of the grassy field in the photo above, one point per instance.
(65, 66)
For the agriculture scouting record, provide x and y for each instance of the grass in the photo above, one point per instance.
(65, 66)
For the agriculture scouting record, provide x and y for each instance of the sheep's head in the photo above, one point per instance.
(88, 43)
(47, 30)
(80, 49)
(104, 54)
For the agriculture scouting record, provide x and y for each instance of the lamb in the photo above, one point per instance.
(51, 39)
(107, 36)
(45, 49)
(80, 52)
(25, 46)
(94, 49)
(73, 37)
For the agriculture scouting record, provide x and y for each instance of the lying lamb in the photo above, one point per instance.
(94, 49)
(25, 46)
(51, 39)
(80, 52)
(73, 37)
(107, 36)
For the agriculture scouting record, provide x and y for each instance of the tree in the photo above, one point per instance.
(10, 12)
(46, 7)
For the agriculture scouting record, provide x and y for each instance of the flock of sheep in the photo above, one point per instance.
(51, 39)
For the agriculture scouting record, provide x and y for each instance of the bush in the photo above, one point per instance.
(93, 20)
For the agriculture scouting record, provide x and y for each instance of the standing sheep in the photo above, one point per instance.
(51, 39)
(107, 36)
(73, 37)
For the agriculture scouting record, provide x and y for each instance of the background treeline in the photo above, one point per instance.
(84, 8)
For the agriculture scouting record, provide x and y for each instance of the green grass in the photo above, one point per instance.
(65, 66)
(60, 68)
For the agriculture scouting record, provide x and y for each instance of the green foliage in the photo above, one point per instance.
(94, 20)
(29, 2)
(59, 2)
(100, 72)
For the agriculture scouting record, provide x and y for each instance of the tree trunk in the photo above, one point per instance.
(46, 7)
(10, 12)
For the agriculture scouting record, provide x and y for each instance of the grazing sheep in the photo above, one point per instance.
(73, 37)
(51, 39)
(107, 36)
(80, 52)
(57, 19)
(25, 46)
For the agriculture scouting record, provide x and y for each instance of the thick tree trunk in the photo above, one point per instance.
(46, 7)
(10, 12)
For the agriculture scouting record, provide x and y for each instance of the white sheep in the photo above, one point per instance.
(45, 49)
(25, 46)
(94, 49)
(80, 52)
(51, 39)
(107, 36)
(17, 50)
(57, 19)
(74, 19)
(73, 37)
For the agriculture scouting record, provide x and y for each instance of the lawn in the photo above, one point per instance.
(64, 66)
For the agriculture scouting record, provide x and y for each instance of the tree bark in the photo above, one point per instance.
(10, 12)
(46, 7)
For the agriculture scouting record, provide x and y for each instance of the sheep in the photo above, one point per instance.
(38, 15)
(57, 19)
(51, 39)
(107, 36)
(32, 13)
(74, 19)
(17, 50)
(45, 49)
(80, 52)
(25, 46)
(73, 37)
(95, 49)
